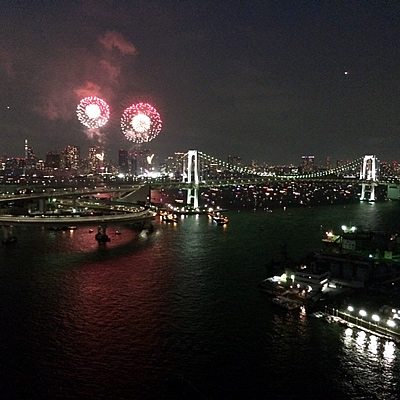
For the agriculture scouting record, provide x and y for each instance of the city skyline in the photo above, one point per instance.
(260, 80)
(114, 158)
(233, 159)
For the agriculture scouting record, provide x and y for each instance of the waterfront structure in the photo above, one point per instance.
(311, 280)
(360, 258)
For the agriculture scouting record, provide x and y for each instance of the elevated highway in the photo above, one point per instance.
(71, 192)
(138, 217)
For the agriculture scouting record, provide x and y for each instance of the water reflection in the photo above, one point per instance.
(361, 338)
(373, 344)
(370, 364)
(113, 321)
(389, 351)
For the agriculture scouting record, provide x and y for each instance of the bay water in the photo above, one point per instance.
(177, 314)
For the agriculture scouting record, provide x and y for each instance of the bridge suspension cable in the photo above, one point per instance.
(194, 158)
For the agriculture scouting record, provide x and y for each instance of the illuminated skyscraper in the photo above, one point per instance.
(71, 158)
(174, 164)
(95, 159)
(30, 158)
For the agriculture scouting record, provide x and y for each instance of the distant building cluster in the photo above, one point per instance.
(140, 161)
(68, 161)
(71, 162)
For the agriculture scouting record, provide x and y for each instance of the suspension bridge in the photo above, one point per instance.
(200, 169)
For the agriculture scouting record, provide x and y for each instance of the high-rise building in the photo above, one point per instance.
(70, 158)
(95, 159)
(328, 163)
(235, 160)
(307, 164)
(52, 160)
(123, 161)
(30, 157)
(14, 165)
(140, 160)
(174, 164)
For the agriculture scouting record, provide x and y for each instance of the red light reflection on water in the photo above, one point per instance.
(115, 307)
(83, 239)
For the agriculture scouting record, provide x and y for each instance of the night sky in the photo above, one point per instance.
(264, 80)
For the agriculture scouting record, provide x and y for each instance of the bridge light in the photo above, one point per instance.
(391, 323)
(375, 318)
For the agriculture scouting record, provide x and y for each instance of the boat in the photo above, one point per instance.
(286, 303)
(102, 237)
(68, 228)
(219, 218)
(169, 217)
(161, 213)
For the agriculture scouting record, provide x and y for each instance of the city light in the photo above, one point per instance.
(391, 323)
(376, 318)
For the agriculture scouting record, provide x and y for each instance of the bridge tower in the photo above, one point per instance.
(369, 175)
(192, 176)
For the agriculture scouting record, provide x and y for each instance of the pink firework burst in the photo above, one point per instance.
(93, 112)
(141, 123)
